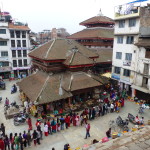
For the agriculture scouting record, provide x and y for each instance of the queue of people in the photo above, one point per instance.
(22, 140)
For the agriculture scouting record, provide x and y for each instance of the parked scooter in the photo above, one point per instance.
(13, 89)
(13, 104)
(20, 119)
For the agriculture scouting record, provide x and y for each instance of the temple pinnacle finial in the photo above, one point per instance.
(100, 13)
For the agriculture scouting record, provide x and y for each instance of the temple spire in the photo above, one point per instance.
(100, 13)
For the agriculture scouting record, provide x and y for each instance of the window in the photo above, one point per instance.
(132, 22)
(121, 23)
(18, 34)
(14, 63)
(18, 43)
(118, 55)
(128, 56)
(4, 53)
(126, 73)
(117, 70)
(5, 64)
(24, 43)
(24, 53)
(130, 39)
(145, 82)
(146, 68)
(2, 31)
(3, 43)
(120, 39)
(20, 63)
(23, 34)
(13, 53)
(19, 53)
(25, 62)
(12, 34)
(13, 43)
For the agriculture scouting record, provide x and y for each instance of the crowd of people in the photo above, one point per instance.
(108, 103)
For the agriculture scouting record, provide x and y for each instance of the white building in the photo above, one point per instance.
(132, 26)
(14, 49)
(5, 53)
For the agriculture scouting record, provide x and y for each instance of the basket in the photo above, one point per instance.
(134, 129)
(114, 135)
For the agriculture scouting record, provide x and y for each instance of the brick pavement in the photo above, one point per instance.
(74, 135)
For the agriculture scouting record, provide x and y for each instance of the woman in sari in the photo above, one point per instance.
(53, 124)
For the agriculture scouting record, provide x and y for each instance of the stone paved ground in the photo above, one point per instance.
(74, 135)
(138, 140)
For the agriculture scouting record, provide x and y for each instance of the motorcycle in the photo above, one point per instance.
(13, 104)
(13, 89)
(20, 119)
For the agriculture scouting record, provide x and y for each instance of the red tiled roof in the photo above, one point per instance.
(93, 33)
(97, 19)
(18, 27)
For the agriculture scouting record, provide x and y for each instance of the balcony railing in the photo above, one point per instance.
(126, 11)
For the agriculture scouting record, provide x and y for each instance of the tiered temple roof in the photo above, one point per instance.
(44, 87)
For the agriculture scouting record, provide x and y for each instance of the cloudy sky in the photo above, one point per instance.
(47, 14)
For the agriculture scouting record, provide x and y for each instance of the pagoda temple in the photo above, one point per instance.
(97, 34)
(61, 79)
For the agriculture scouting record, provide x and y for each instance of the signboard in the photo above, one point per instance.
(115, 76)
(19, 48)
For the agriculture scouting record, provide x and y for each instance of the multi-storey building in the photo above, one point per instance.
(20, 47)
(14, 48)
(5, 53)
(130, 58)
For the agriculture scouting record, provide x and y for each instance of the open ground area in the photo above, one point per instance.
(74, 135)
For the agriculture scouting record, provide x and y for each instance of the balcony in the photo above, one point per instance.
(127, 63)
(126, 11)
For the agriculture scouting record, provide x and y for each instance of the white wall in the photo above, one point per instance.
(127, 29)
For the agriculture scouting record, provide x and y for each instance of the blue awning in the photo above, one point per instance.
(137, 1)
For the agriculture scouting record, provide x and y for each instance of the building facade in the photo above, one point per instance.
(5, 53)
(14, 48)
(130, 57)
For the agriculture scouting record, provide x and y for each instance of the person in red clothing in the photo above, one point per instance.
(38, 123)
(29, 123)
(2, 145)
(67, 121)
(49, 127)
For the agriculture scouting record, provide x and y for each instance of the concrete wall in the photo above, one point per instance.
(127, 29)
